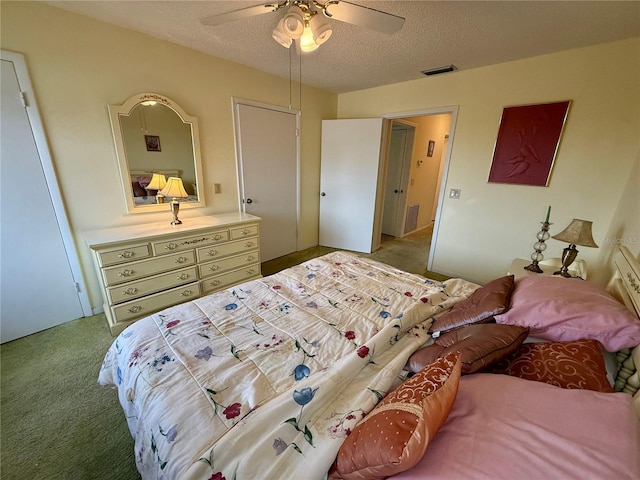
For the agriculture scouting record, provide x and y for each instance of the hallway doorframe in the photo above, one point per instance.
(453, 111)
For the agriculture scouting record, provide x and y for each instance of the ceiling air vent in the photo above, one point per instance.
(439, 70)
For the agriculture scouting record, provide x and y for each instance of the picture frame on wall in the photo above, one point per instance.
(153, 143)
(430, 148)
(527, 143)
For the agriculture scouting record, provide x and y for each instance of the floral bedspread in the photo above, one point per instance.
(264, 380)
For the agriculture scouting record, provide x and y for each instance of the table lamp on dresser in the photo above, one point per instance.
(174, 189)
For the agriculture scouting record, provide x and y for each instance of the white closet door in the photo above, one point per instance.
(267, 146)
(350, 163)
(37, 288)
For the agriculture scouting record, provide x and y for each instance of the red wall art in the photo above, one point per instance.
(527, 143)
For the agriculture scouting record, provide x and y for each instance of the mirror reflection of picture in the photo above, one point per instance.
(430, 148)
(153, 143)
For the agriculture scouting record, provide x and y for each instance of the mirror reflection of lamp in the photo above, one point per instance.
(157, 183)
(174, 189)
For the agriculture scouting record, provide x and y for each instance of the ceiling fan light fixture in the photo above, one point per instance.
(307, 43)
(280, 36)
(320, 29)
(293, 22)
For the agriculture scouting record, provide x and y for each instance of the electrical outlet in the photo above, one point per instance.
(454, 193)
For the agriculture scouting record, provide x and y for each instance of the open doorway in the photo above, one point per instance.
(417, 211)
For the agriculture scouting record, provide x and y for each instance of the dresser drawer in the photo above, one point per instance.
(186, 243)
(243, 232)
(153, 303)
(136, 270)
(121, 255)
(219, 251)
(231, 263)
(129, 291)
(231, 278)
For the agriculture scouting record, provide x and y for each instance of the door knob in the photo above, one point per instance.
(249, 200)
(395, 191)
(322, 194)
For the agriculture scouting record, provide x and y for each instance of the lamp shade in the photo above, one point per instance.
(577, 233)
(280, 36)
(158, 182)
(174, 188)
(307, 44)
(320, 29)
(293, 22)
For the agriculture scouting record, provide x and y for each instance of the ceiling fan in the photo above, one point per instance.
(303, 21)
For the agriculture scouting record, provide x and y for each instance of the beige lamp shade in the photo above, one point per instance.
(174, 188)
(158, 182)
(577, 233)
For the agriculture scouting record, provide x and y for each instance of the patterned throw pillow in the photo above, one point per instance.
(578, 364)
(394, 435)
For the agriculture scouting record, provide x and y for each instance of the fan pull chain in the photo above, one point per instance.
(290, 81)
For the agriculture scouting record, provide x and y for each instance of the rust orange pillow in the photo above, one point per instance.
(394, 435)
(576, 364)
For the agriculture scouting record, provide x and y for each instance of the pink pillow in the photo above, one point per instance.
(507, 427)
(565, 309)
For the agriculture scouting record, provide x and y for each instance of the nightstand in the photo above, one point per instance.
(577, 268)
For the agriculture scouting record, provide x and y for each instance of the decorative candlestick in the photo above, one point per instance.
(539, 246)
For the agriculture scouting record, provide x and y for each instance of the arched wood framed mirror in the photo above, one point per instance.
(154, 135)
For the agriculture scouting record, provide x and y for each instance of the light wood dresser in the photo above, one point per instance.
(145, 268)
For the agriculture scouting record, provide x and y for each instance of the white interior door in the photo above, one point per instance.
(350, 163)
(38, 289)
(395, 197)
(267, 149)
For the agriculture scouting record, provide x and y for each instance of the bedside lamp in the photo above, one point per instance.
(577, 233)
(175, 190)
(158, 182)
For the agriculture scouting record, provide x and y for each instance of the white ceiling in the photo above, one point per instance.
(467, 34)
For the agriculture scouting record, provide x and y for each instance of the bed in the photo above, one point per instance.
(343, 367)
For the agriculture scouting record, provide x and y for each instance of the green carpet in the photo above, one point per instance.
(410, 253)
(56, 422)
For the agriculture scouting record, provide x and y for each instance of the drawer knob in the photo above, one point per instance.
(182, 259)
(130, 291)
(217, 236)
(135, 309)
(212, 253)
(126, 254)
(248, 244)
(126, 273)
(213, 268)
(171, 246)
(184, 276)
(245, 231)
(215, 283)
(251, 271)
(186, 293)
(250, 258)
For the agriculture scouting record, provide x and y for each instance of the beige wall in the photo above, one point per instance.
(492, 223)
(424, 176)
(78, 66)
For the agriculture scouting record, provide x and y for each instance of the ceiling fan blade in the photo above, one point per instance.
(240, 14)
(364, 17)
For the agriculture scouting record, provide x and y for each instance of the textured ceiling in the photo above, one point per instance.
(467, 34)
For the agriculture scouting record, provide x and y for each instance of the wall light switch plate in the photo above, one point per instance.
(217, 188)
(454, 193)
